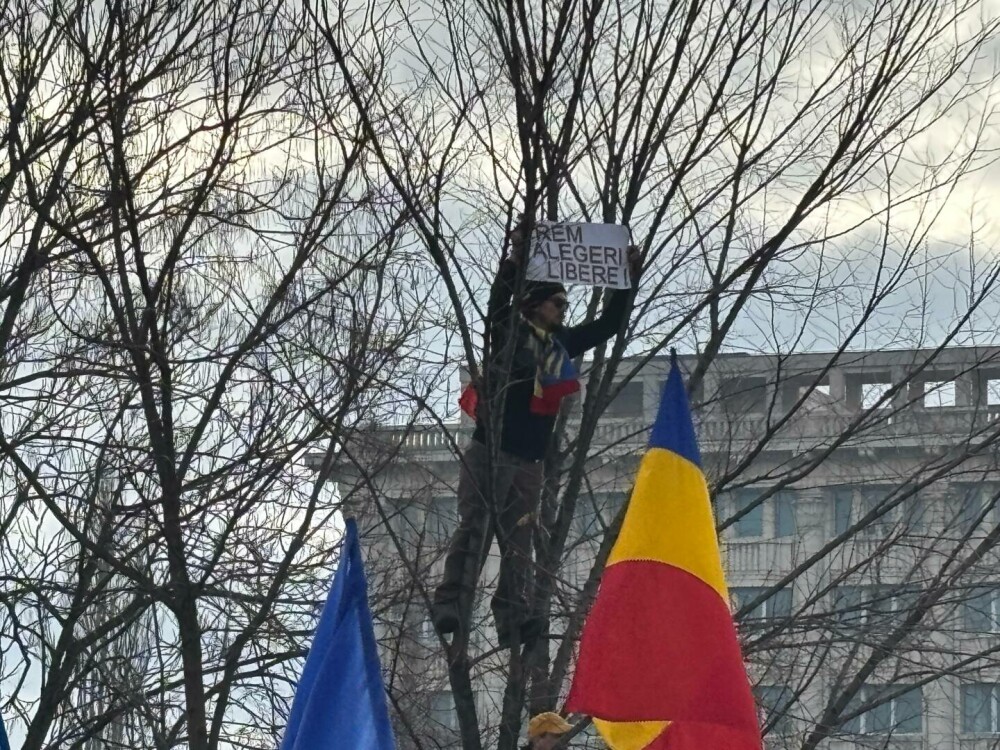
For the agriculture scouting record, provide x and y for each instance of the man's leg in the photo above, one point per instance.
(515, 521)
(470, 543)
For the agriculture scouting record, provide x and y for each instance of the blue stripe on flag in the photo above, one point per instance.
(673, 429)
(340, 700)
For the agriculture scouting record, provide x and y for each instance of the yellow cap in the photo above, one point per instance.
(547, 723)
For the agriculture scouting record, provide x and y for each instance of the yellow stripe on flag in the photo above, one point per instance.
(670, 520)
(631, 735)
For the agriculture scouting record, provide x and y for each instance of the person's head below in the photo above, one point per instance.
(545, 730)
(544, 304)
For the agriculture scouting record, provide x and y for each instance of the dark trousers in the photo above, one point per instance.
(507, 510)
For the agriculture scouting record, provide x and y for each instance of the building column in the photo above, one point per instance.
(838, 386)
(970, 391)
(812, 517)
(899, 374)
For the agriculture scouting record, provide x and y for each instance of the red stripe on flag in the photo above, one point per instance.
(660, 644)
(692, 736)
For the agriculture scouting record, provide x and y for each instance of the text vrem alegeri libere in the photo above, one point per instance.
(568, 259)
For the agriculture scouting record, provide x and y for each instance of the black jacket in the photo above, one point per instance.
(523, 433)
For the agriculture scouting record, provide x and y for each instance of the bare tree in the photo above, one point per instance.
(201, 279)
(235, 232)
(789, 172)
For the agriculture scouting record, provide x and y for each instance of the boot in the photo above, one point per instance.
(525, 633)
(446, 617)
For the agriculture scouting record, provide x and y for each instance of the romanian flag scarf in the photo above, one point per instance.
(555, 375)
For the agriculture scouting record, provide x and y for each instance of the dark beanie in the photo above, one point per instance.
(536, 292)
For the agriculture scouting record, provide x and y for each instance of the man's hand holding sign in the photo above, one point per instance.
(579, 253)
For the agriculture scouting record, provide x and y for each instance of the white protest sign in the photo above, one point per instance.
(578, 253)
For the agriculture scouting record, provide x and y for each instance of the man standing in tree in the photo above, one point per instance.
(530, 382)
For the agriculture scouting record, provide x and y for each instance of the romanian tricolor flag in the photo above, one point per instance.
(660, 666)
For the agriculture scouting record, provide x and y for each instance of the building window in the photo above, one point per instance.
(869, 500)
(981, 708)
(872, 500)
(851, 604)
(773, 708)
(902, 713)
(441, 712)
(695, 396)
(743, 395)
(595, 512)
(851, 504)
(751, 523)
(406, 520)
(628, 402)
(843, 515)
(981, 611)
(916, 512)
(777, 605)
(754, 515)
(993, 392)
(875, 395)
(939, 394)
(784, 514)
(972, 507)
(873, 605)
(585, 517)
(442, 518)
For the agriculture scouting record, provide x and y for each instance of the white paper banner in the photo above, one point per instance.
(578, 253)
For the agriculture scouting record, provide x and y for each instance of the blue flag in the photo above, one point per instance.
(340, 701)
(4, 743)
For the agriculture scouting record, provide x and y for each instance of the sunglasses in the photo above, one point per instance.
(560, 303)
